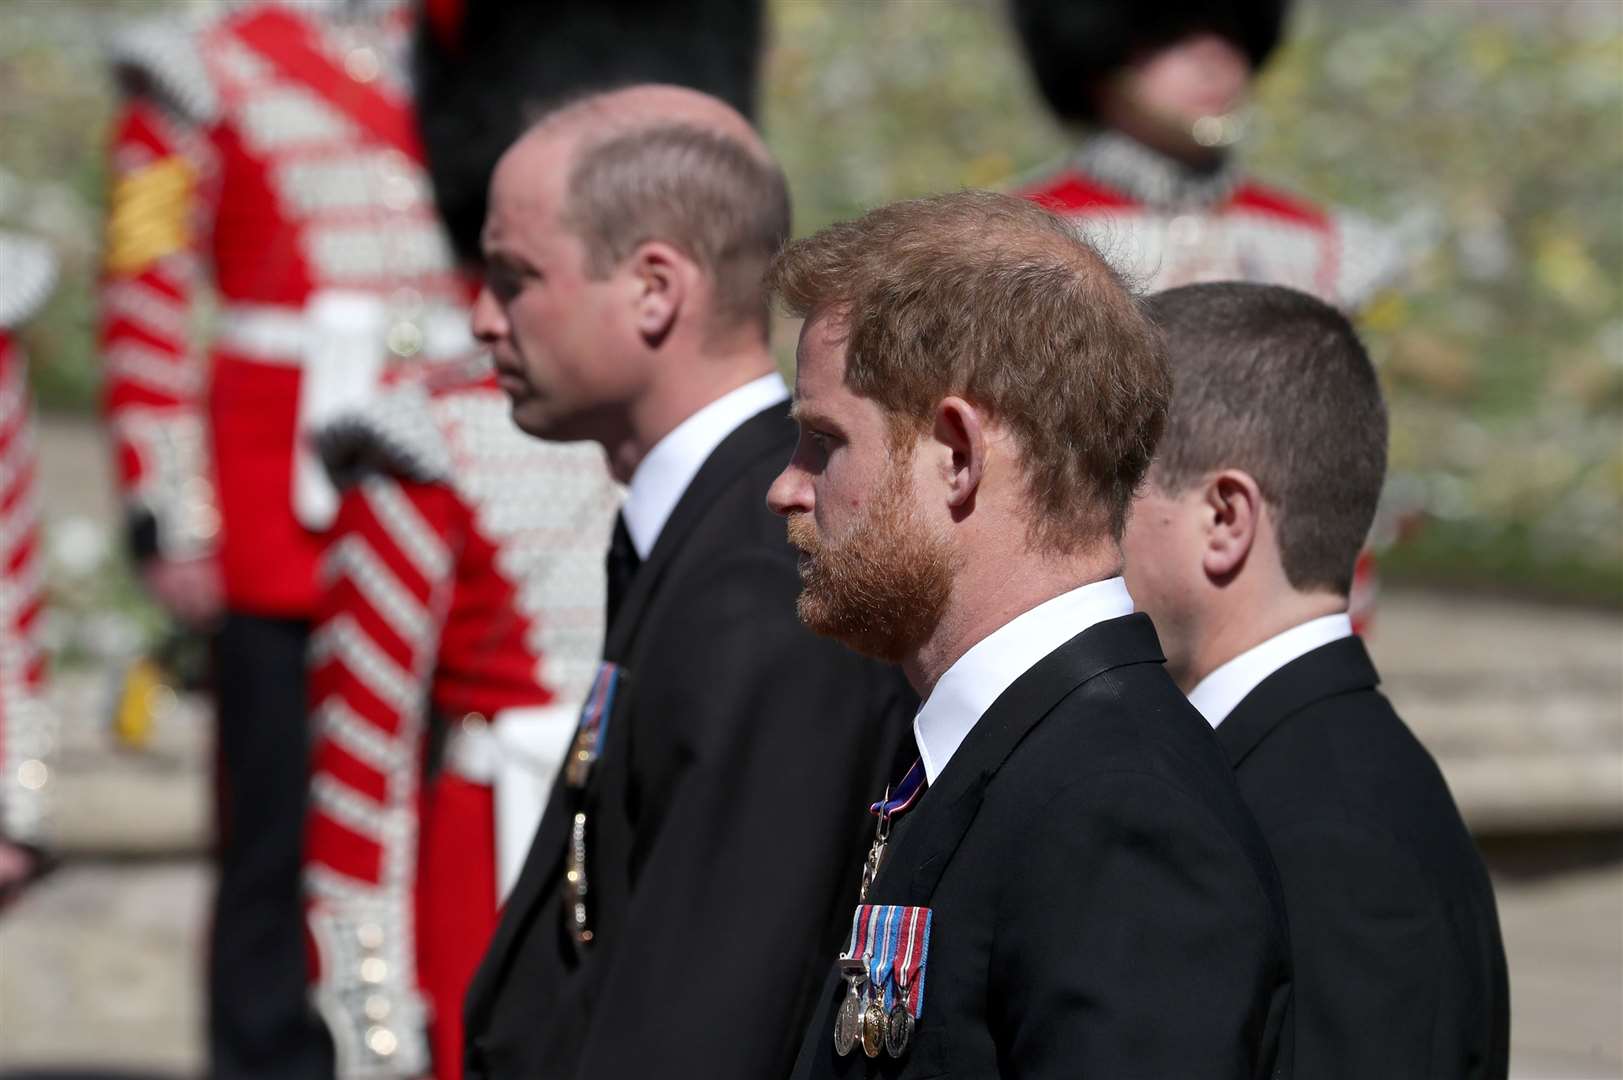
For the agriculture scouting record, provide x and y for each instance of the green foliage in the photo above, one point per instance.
(1492, 135)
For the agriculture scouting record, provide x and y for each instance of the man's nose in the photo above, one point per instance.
(489, 323)
(790, 493)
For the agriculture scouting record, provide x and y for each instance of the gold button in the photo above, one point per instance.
(399, 192)
(362, 64)
(381, 1041)
(370, 935)
(32, 774)
(373, 970)
(405, 338)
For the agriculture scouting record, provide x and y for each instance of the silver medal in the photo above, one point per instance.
(898, 1030)
(848, 1022)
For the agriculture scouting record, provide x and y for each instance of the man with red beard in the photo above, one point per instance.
(1066, 883)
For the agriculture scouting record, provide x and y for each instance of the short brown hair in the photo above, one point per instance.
(703, 192)
(1271, 381)
(997, 300)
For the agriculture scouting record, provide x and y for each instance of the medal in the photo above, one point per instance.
(898, 1030)
(848, 1021)
(583, 754)
(873, 1028)
(883, 963)
(880, 955)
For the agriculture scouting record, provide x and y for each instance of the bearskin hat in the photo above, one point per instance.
(1072, 44)
(482, 68)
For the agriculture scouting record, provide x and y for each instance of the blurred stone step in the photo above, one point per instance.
(1522, 704)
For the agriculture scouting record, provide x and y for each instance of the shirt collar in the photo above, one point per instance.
(1218, 693)
(978, 678)
(663, 476)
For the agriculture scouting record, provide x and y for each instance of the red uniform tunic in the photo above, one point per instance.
(464, 582)
(1163, 225)
(27, 726)
(266, 154)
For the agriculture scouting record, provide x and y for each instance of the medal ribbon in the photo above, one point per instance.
(594, 714)
(893, 944)
(879, 961)
(900, 799)
(915, 953)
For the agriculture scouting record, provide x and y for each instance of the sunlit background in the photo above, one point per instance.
(1487, 136)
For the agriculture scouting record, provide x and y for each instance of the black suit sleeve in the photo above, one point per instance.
(1368, 949)
(1134, 941)
(725, 937)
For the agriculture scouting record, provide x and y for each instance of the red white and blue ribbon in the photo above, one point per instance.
(893, 943)
(594, 714)
(901, 798)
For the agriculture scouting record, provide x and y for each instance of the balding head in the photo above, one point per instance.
(665, 163)
(612, 113)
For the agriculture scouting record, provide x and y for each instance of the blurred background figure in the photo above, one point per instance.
(457, 635)
(463, 616)
(27, 727)
(1163, 93)
(265, 159)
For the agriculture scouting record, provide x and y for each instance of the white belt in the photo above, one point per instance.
(278, 335)
(342, 341)
(518, 753)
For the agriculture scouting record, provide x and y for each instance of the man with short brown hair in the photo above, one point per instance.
(1066, 883)
(1241, 547)
(689, 873)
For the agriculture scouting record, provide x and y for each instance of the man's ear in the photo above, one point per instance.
(1231, 516)
(661, 277)
(960, 430)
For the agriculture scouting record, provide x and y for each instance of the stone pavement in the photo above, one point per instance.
(1522, 704)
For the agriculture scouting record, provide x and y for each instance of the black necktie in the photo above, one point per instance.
(622, 563)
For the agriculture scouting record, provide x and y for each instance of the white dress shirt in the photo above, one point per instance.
(664, 475)
(979, 677)
(1218, 693)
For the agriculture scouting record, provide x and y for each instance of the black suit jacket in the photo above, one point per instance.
(1400, 972)
(736, 770)
(1104, 906)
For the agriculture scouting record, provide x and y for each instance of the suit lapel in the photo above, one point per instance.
(1340, 667)
(763, 435)
(950, 805)
(526, 894)
(766, 433)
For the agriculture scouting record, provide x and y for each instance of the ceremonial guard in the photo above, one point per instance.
(265, 154)
(1161, 91)
(463, 616)
(27, 727)
(459, 629)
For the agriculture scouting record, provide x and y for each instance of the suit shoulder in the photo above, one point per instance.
(1125, 721)
(1349, 765)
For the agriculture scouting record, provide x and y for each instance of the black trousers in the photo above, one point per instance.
(260, 1024)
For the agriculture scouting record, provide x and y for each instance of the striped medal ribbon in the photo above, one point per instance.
(583, 754)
